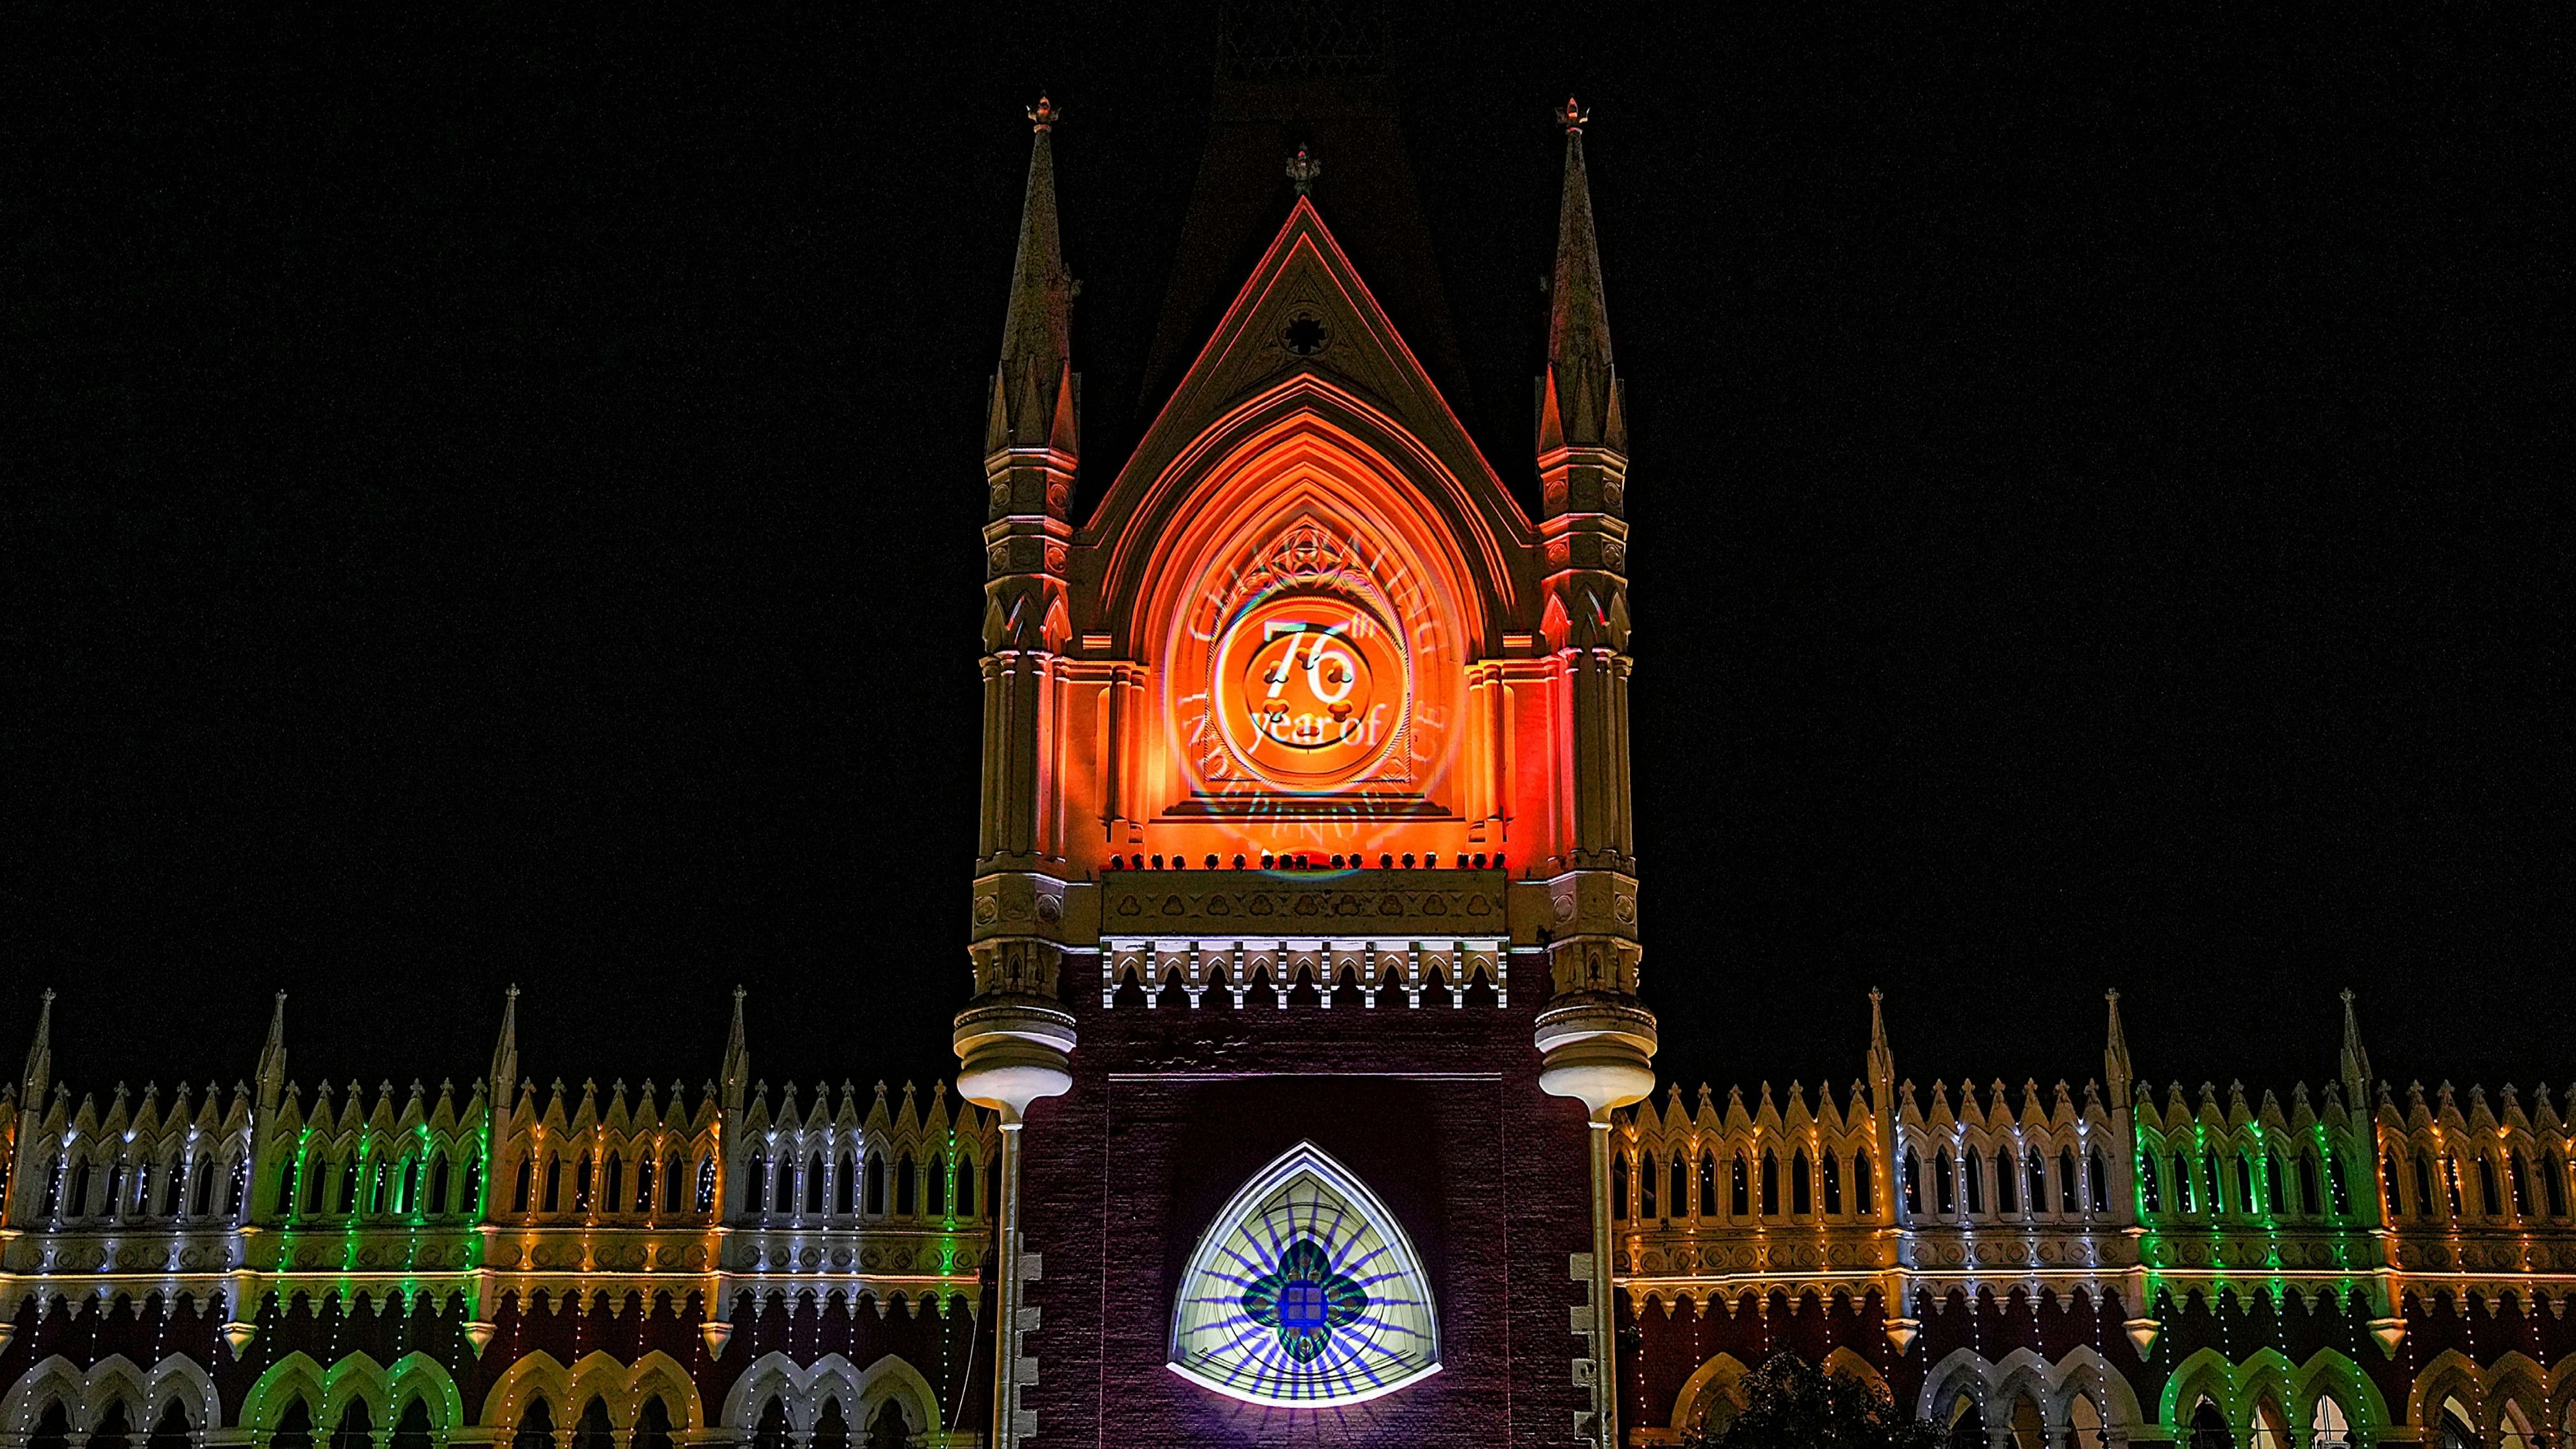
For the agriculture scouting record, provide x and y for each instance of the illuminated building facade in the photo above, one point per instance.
(1307, 1089)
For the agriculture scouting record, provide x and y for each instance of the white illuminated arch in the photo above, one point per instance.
(1304, 1292)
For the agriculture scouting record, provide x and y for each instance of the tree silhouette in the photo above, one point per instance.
(1792, 1404)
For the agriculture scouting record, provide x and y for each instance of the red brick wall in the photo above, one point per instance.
(1437, 1110)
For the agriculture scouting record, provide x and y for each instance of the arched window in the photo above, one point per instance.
(2388, 1183)
(1707, 1184)
(1831, 1168)
(2100, 1180)
(2270, 1429)
(1972, 1182)
(2209, 1428)
(653, 1426)
(2328, 1428)
(112, 1428)
(410, 1186)
(846, 1188)
(644, 1182)
(707, 1184)
(2276, 1186)
(349, 1198)
(1646, 1176)
(784, 1199)
(536, 1427)
(675, 1182)
(2150, 1187)
(2456, 1429)
(814, 1184)
(115, 1202)
(1678, 1200)
(2069, 1200)
(2309, 1201)
(2182, 1183)
(205, 1198)
(1945, 1185)
(890, 1429)
(755, 1181)
(285, 1187)
(1801, 1184)
(411, 1427)
(2521, 1181)
(612, 1185)
(2339, 1191)
(438, 1183)
(594, 1430)
(1864, 1185)
(1618, 1183)
(771, 1433)
(2490, 1201)
(907, 1188)
(1913, 1185)
(2035, 1177)
(172, 1180)
(54, 1428)
(295, 1427)
(2214, 1193)
(581, 1184)
(2007, 1195)
(2086, 1422)
(236, 1185)
(966, 1185)
(2451, 1182)
(76, 1202)
(355, 1430)
(554, 1184)
(1739, 1188)
(2424, 1199)
(519, 1189)
(1967, 1428)
(170, 1431)
(2553, 1176)
(831, 1427)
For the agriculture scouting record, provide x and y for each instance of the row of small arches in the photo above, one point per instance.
(2427, 1185)
(2244, 1183)
(1959, 1186)
(927, 1187)
(189, 1186)
(1753, 1186)
(365, 1183)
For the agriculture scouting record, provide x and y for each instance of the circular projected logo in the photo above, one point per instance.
(1311, 690)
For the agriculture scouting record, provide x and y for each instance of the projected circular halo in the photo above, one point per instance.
(1310, 688)
(1304, 1292)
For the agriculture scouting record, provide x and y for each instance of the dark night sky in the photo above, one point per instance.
(504, 506)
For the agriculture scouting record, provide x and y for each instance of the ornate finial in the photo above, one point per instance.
(1573, 117)
(1303, 168)
(1044, 115)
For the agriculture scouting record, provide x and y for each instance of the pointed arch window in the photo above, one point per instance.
(115, 1200)
(554, 1183)
(2068, 1199)
(76, 1200)
(644, 1166)
(1864, 1185)
(1678, 1201)
(846, 1187)
(173, 1179)
(52, 1177)
(2328, 1428)
(171, 1431)
(784, 1199)
(755, 1181)
(2490, 1201)
(771, 1431)
(519, 1187)
(2150, 1187)
(349, 1193)
(1945, 1184)
(2451, 1182)
(675, 1182)
(1739, 1191)
(2212, 1192)
(966, 1185)
(410, 1186)
(653, 1427)
(204, 1201)
(2424, 1199)
(354, 1431)
(295, 1427)
(831, 1427)
(1647, 1197)
(2101, 1182)
(2339, 1192)
(581, 1183)
(1618, 1185)
(2007, 1198)
(1831, 1168)
(54, 1429)
(439, 1183)
(1913, 1185)
(612, 1184)
(536, 1427)
(814, 1184)
(907, 1191)
(1801, 1184)
(2388, 1184)
(2182, 1183)
(876, 1173)
(2276, 1185)
(2310, 1202)
(707, 1184)
(2521, 1181)
(411, 1428)
(2034, 1172)
(594, 1430)
(1707, 1183)
(1304, 1292)
(2553, 1176)
(2244, 1184)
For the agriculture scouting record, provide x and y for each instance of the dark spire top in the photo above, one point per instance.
(1578, 330)
(1037, 331)
(39, 1072)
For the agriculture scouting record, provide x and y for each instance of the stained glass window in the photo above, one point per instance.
(1304, 1292)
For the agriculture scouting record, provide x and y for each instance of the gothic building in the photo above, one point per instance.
(1306, 1090)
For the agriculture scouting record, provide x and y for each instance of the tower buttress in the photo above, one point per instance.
(272, 1058)
(1013, 1037)
(505, 1061)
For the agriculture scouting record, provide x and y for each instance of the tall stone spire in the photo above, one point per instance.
(2115, 1056)
(737, 1058)
(1033, 403)
(503, 1084)
(2355, 1062)
(1882, 1059)
(39, 1073)
(1579, 399)
(272, 1058)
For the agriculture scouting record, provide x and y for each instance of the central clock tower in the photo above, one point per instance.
(1304, 924)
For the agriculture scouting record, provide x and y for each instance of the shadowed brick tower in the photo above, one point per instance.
(1304, 924)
